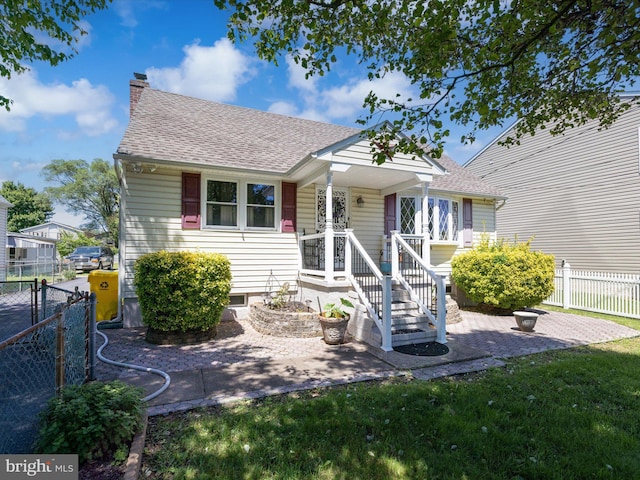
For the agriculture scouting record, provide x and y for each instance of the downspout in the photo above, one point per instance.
(122, 244)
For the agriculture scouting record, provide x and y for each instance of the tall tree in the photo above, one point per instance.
(40, 30)
(476, 63)
(29, 208)
(89, 189)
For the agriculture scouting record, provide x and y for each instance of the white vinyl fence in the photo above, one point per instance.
(613, 293)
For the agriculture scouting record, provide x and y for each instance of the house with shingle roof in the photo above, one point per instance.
(293, 200)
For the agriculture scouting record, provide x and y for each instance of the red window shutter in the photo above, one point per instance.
(190, 200)
(389, 213)
(467, 222)
(289, 197)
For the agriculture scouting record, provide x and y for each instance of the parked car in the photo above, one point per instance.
(92, 258)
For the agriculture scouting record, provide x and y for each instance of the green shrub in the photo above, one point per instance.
(93, 420)
(504, 275)
(182, 291)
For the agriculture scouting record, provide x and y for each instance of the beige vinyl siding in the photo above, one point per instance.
(360, 154)
(153, 223)
(576, 195)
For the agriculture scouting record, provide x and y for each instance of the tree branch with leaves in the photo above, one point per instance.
(477, 64)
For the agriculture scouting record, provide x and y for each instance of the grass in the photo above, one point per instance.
(570, 414)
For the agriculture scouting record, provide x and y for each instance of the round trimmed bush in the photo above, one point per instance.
(504, 275)
(182, 291)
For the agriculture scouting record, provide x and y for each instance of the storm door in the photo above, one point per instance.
(340, 222)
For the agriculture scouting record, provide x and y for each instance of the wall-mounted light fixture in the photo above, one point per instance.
(360, 201)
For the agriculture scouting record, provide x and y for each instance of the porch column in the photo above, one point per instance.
(328, 231)
(426, 242)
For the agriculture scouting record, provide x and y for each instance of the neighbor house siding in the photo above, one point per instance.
(153, 222)
(577, 195)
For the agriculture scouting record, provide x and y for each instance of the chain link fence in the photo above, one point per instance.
(37, 362)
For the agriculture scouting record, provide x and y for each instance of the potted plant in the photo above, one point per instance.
(334, 320)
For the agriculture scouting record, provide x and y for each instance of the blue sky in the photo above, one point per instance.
(80, 108)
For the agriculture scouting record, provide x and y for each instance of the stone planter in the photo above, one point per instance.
(526, 320)
(285, 323)
(334, 329)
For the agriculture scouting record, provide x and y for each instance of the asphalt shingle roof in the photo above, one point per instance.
(176, 128)
(171, 127)
(461, 180)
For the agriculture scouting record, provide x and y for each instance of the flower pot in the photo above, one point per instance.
(385, 267)
(526, 320)
(333, 329)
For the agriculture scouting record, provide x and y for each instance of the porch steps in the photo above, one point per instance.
(408, 324)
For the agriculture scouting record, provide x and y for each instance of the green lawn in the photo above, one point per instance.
(570, 414)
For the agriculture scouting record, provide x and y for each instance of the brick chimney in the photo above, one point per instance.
(135, 90)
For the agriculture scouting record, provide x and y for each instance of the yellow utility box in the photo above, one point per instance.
(105, 285)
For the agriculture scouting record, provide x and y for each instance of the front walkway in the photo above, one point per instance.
(242, 363)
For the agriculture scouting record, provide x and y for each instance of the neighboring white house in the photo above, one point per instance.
(4, 207)
(279, 195)
(52, 230)
(577, 194)
(30, 249)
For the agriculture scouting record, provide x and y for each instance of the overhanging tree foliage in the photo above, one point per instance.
(87, 189)
(475, 63)
(40, 30)
(29, 208)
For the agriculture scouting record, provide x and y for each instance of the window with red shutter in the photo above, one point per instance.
(190, 200)
(289, 197)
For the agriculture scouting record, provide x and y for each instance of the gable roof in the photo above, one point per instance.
(4, 202)
(173, 128)
(461, 180)
(179, 129)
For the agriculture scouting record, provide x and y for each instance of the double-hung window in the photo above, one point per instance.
(444, 219)
(261, 205)
(222, 203)
(236, 204)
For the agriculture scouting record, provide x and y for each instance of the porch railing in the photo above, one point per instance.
(313, 249)
(425, 287)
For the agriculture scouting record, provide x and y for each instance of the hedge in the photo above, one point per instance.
(504, 275)
(182, 291)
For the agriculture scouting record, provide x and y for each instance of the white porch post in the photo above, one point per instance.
(395, 256)
(566, 285)
(387, 343)
(328, 231)
(426, 241)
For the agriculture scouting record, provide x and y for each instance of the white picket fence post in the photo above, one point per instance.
(603, 292)
(566, 285)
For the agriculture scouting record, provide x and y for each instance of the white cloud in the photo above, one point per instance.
(297, 77)
(89, 105)
(211, 73)
(342, 102)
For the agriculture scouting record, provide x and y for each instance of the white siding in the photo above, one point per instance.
(152, 223)
(576, 195)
